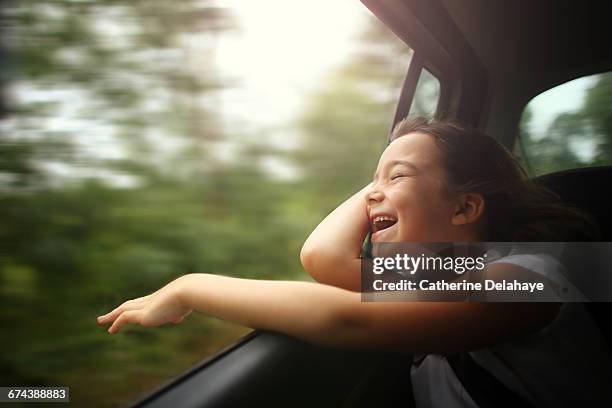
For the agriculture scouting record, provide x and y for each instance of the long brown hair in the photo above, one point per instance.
(516, 208)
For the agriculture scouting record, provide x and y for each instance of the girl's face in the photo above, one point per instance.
(408, 200)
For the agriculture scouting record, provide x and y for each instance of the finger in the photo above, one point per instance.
(111, 316)
(127, 306)
(132, 316)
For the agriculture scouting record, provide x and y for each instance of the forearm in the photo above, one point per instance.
(331, 252)
(309, 311)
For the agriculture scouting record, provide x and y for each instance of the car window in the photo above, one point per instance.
(143, 140)
(568, 126)
(426, 95)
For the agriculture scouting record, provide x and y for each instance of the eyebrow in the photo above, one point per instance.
(400, 162)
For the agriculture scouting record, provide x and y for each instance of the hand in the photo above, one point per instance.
(160, 307)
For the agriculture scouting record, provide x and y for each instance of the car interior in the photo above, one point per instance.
(491, 58)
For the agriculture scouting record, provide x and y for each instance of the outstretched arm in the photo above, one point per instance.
(331, 252)
(332, 316)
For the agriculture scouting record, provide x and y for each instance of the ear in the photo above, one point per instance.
(469, 208)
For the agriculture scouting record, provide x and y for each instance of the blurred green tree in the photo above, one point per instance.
(569, 133)
(345, 124)
(111, 184)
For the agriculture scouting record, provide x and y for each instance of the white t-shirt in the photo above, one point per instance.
(565, 364)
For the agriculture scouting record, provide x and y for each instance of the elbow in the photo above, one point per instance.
(331, 268)
(308, 258)
(352, 327)
(339, 326)
(319, 264)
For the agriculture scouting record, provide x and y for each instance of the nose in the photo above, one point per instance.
(374, 195)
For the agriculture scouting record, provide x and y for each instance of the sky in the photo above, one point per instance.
(564, 98)
(567, 97)
(281, 51)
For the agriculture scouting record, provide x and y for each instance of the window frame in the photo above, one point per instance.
(445, 53)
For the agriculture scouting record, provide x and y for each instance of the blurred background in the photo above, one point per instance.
(143, 140)
(568, 126)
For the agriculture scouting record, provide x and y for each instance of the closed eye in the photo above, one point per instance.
(396, 176)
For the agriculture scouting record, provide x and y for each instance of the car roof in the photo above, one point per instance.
(522, 47)
(536, 44)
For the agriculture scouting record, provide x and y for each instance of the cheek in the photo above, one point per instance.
(416, 196)
(422, 209)
(402, 200)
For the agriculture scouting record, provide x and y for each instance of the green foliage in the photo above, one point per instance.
(345, 124)
(77, 242)
(590, 124)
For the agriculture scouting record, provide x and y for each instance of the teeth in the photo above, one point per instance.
(383, 218)
(382, 222)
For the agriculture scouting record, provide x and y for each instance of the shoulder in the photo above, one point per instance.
(537, 267)
(530, 266)
(537, 262)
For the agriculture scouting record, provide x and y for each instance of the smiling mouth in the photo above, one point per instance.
(382, 222)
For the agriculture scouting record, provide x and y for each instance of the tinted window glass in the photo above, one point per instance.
(426, 95)
(568, 126)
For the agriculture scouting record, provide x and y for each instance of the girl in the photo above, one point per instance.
(435, 182)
